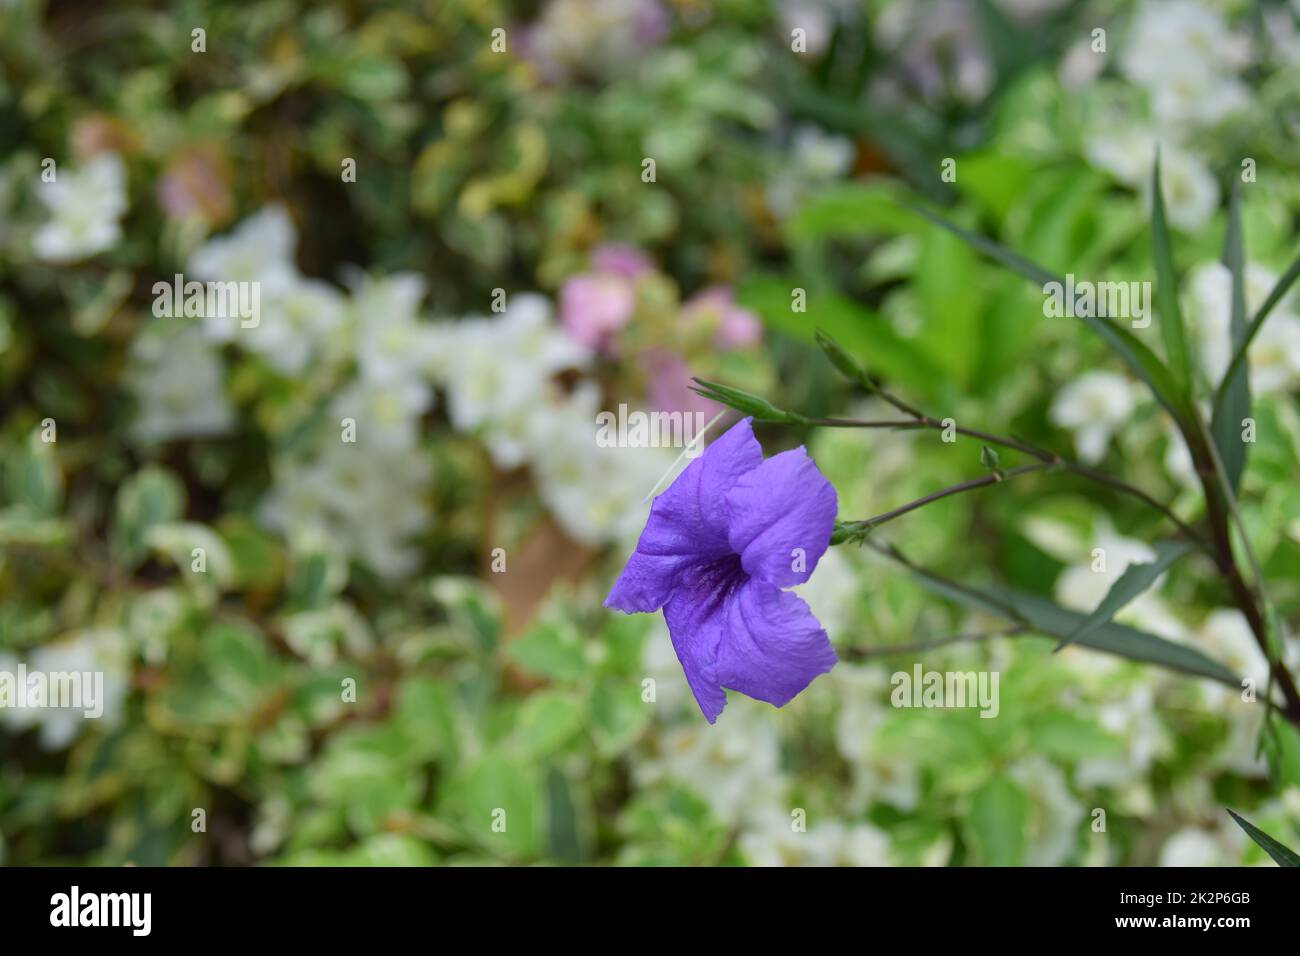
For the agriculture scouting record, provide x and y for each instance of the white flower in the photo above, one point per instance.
(1093, 406)
(821, 155)
(370, 501)
(1275, 352)
(734, 765)
(773, 841)
(878, 775)
(1171, 39)
(832, 592)
(94, 651)
(297, 324)
(1055, 814)
(1199, 847)
(260, 249)
(1083, 585)
(1275, 355)
(596, 493)
(392, 342)
(815, 20)
(660, 664)
(1184, 55)
(177, 379)
(1081, 65)
(1178, 460)
(1190, 192)
(86, 207)
(387, 416)
(1123, 150)
(1132, 720)
(1226, 636)
(1197, 98)
(817, 157)
(505, 365)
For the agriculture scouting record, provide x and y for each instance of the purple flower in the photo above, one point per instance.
(719, 547)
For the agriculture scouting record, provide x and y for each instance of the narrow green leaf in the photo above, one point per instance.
(1226, 423)
(1141, 360)
(563, 832)
(1120, 639)
(1013, 261)
(1135, 579)
(843, 362)
(745, 402)
(1281, 855)
(1280, 289)
(1053, 620)
(1171, 316)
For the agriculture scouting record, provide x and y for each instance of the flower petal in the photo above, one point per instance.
(746, 635)
(697, 622)
(774, 647)
(687, 524)
(782, 516)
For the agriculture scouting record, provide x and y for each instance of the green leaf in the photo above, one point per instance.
(859, 330)
(618, 714)
(497, 802)
(1051, 619)
(564, 837)
(1226, 423)
(744, 402)
(1240, 350)
(1135, 580)
(950, 303)
(850, 209)
(318, 573)
(844, 363)
(33, 480)
(547, 721)
(997, 818)
(1141, 360)
(1171, 316)
(180, 540)
(996, 251)
(1118, 639)
(390, 850)
(151, 497)
(1281, 855)
(551, 648)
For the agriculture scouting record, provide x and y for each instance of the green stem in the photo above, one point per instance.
(867, 524)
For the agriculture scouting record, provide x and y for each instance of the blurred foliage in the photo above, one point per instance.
(321, 708)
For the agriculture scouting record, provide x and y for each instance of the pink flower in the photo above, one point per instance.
(738, 327)
(621, 260)
(595, 305)
(670, 385)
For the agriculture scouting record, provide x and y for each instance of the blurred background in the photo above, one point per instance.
(474, 225)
